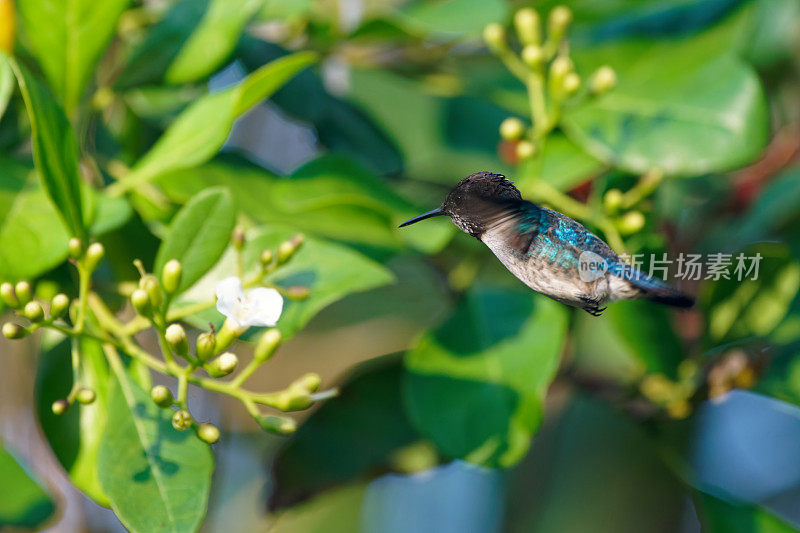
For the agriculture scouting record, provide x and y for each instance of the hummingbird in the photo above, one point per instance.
(548, 251)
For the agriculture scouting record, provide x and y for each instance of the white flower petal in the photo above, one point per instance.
(263, 307)
(230, 297)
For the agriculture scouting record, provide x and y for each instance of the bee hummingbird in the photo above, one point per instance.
(549, 252)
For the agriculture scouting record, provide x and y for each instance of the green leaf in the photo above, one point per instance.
(562, 164)
(6, 85)
(452, 18)
(330, 271)
(198, 235)
(687, 108)
(418, 123)
(157, 478)
(330, 196)
(55, 150)
(475, 386)
(720, 516)
(24, 503)
(149, 59)
(201, 129)
(213, 40)
(74, 436)
(67, 38)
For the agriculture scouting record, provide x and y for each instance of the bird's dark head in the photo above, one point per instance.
(473, 200)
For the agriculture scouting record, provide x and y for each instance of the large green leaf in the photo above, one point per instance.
(199, 234)
(74, 436)
(55, 150)
(212, 40)
(67, 38)
(24, 503)
(157, 478)
(720, 516)
(201, 129)
(330, 271)
(476, 385)
(31, 226)
(688, 108)
(331, 196)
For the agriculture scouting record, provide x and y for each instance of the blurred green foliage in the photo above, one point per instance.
(113, 127)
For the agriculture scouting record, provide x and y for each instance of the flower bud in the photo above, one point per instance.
(288, 248)
(59, 407)
(308, 382)
(237, 238)
(603, 80)
(267, 344)
(613, 200)
(59, 305)
(85, 396)
(525, 150)
(206, 343)
(558, 22)
(266, 257)
(33, 311)
(23, 292)
(208, 433)
(141, 302)
(171, 276)
(298, 292)
(75, 248)
(161, 396)
(560, 67)
(176, 337)
(572, 82)
(528, 24)
(533, 55)
(149, 283)
(13, 331)
(94, 254)
(229, 332)
(512, 129)
(631, 222)
(222, 365)
(292, 399)
(182, 420)
(277, 424)
(679, 410)
(8, 295)
(494, 35)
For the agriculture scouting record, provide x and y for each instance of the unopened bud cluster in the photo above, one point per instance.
(543, 63)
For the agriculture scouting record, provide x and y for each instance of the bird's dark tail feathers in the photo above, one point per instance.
(668, 296)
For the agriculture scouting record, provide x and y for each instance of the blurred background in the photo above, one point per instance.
(467, 403)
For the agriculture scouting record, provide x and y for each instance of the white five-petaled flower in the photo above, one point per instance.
(258, 307)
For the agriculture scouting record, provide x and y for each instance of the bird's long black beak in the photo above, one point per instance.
(432, 213)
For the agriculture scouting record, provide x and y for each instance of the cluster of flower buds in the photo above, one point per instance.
(543, 62)
(619, 205)
(673, 396)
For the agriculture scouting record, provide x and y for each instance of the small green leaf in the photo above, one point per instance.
(201, 129)
(475, 386)
(55, 151)
(74, 436)
(686, 108)
(720, 516)
(199, 235)
(157, 478)
(451, 18)
(6, 85)
(212, 40)
(24, 503)
(67, 38)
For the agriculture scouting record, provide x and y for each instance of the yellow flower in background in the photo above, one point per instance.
(7, 25)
